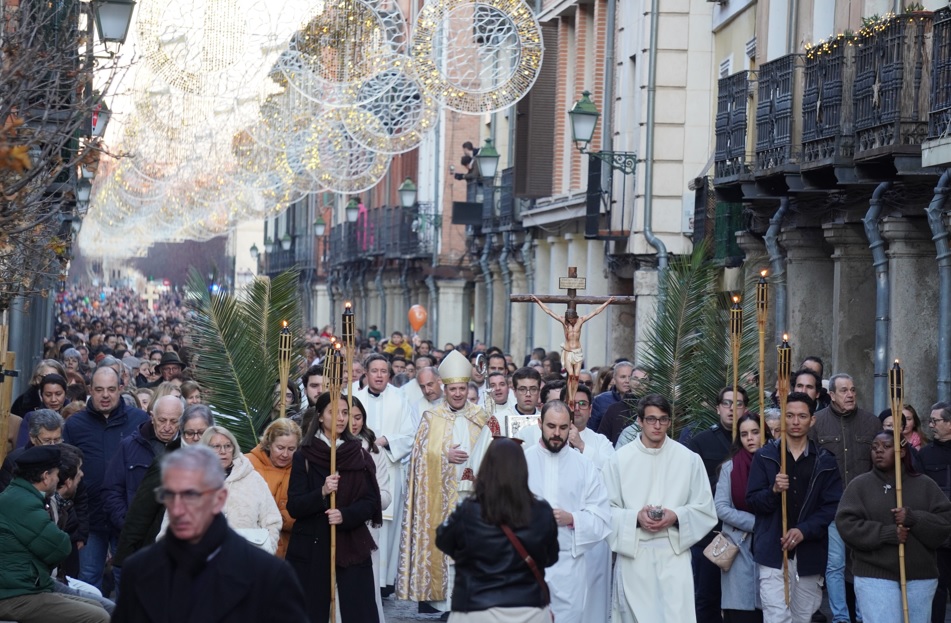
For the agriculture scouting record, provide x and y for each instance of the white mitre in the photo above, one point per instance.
(455, 368)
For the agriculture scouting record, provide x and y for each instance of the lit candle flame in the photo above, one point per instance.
(284, 324)
(736, 298)
(348, 304)
(763, 273)
(896, 362)
(785, 337)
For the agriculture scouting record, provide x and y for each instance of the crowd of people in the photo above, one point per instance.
(480, 487)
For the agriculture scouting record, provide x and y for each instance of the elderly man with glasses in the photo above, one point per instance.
(936, 460)
(201, 550)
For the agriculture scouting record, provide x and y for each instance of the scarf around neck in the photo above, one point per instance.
(739, 478)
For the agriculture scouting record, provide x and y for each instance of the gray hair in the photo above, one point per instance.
(109, 361)
(45, 419)
(771, 414)
(71, 353)
(945, 409)
(196, 411)
(211, 431)
(196, 459)
(836, 377)
(624, 364)
(169, 399)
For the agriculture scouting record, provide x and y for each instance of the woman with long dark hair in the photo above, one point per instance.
(358, 502)
(739, 592)
(494, 583)
(872, 526)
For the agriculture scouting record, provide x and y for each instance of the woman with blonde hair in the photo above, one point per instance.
(191, 392)
(165, 389)
(272, 460)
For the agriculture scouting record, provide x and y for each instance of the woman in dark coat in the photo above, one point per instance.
(493, 581)
(358, 502)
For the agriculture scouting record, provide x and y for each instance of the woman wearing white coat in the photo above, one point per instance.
(250, 508)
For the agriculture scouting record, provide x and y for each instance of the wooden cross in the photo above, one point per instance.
(572, 283)
(151, 294)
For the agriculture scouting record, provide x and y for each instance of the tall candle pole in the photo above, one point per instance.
(783, 371)
(736, 334)
(350, 345)
(896, 380)
(336, 381)
(762, 304)
(284, 365)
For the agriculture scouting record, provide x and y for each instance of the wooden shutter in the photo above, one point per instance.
(535, 125)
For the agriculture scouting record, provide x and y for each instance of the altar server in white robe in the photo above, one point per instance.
(660, 505)
(573, 486)
(393, 421)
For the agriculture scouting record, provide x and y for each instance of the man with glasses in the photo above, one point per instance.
(200, 549)
(813, 488)
(847, 432)
(936, 462)
(527, 383)
(661, 505)
(144, 517)
(713, 447)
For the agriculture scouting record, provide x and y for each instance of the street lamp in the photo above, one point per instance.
(320, 226)
(286, 241)
(584, 119)
(407, 191)
(254, 252)
(113, 18)
(268, 245)
(352, 210)
(488, 159)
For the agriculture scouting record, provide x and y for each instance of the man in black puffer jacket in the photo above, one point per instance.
(936, 462)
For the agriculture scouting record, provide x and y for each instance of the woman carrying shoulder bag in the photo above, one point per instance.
(488, 537)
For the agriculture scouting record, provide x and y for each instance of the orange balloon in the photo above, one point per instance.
(417, 317)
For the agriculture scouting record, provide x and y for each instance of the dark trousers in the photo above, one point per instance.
(742, 616)
(706, 584)
(939, 605)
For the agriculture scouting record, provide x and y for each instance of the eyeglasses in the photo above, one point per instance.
(193, 434)
(935, 421)
(586, 383)
(189, 497)
(653, 421)
(729, 403)
(582, 403)
(525, 391)
(222, 448)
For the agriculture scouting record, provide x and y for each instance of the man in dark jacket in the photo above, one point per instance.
(98, 430)
(31, 545)
(813, 489)
(847, 432)
(200, 550)
(627, 378)
(136, 454)
(936, 462)
(713, 446)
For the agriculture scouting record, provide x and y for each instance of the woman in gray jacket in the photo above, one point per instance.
(739, 586)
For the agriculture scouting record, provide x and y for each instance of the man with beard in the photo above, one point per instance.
(572, 485)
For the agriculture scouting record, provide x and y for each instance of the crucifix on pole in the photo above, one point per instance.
(150, 296)
(572, 356)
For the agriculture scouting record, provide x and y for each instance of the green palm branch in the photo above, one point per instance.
(235, 343)
(688, 348)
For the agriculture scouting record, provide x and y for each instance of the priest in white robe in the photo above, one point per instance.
(573, 486)
(392, 420)
(660, 505)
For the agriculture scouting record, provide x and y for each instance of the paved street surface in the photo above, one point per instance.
(397, 611)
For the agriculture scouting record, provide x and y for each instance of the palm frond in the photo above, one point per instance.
(235, 342)
(686, 348)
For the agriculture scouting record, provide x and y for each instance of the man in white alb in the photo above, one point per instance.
(393, 421)
(661, 505)
(573, 486)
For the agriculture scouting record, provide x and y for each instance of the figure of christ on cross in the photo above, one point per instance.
(572, 357)
(150, 296)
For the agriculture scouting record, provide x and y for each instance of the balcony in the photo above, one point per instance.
(778, 130)
(891, 89)
(731, 160)
(304, 254)
(827, 107)
(937, 149)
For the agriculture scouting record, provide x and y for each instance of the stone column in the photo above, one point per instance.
(913, 303)
(520, 311)
(453, 315)
(810, 281)
(852, 309)
(645, 289)
(320, 305)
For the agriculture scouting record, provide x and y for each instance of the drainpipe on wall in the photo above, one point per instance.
(939, 234)
(489, 285)
(778, 266)
(880, 262)
(404, 284)
(433, 308)
(653, 240)
(331, 280)
(379, 288)
(607, 117)
(528, 259)
(363, 296)
(507, 284)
